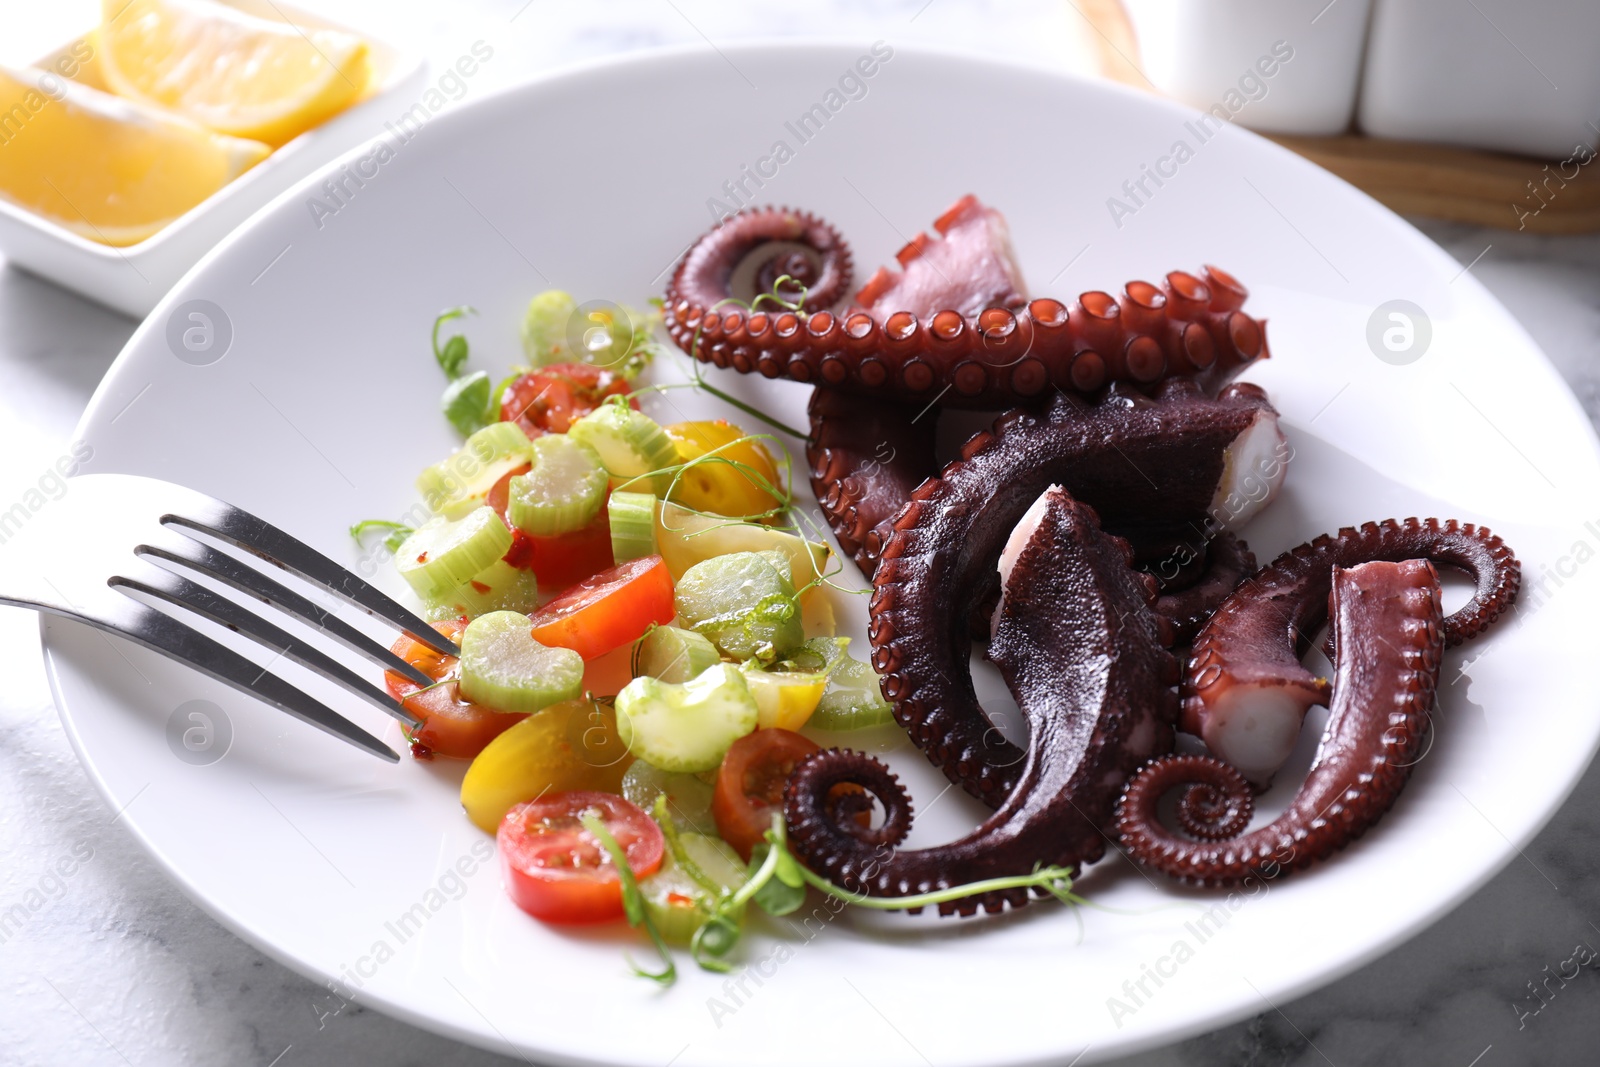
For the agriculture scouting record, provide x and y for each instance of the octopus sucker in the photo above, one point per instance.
(1082, 654)
(954, 325)
(1389, 637)
(1150, 466)
(1245, 691)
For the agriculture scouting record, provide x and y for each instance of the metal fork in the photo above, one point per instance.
(111, 535)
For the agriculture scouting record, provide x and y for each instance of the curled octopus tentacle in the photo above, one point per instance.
(746, 254)
(1389, 634)
(1245, 692)
(1080, 651)
(1154, 466)
(866, 457)
(1187, 605)
(990, 358)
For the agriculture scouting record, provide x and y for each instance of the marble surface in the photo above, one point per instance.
(115, 965)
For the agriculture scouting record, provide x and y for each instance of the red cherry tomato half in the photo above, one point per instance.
(566, 559)
(750, 784)
(451, 726)
(555, 870)
(549, 399)
(611, 609)
(558, 561)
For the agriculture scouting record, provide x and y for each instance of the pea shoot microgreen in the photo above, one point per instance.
(467, 399)
(776, 883)
(398, 532)
(632, 900)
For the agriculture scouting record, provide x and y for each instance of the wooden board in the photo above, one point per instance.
(1413, 178)
(1462, 184)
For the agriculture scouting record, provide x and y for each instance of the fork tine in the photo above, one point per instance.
(180, 591)
(188, 552)
(239, 527)
(161, 633)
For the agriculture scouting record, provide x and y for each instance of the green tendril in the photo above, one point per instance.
(632, 901)
(773, 297)
(398, 532)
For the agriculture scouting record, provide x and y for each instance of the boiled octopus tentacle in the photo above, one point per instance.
(1389, 635)
(746, 254)
(1187, 605)
(1245, 692)
(991, 358)
(866, 457)
(1158, 464)
(1080, 651)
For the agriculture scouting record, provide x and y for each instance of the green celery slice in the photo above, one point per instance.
(852, 700)
(676, 902)
(688, 798)
(672, 654)
(561, 492)
(629, 442)
(444, 553)
(633, 525)
(743, 603)
(504, 668)
(460, 483)
(498, 587)
(689, 727)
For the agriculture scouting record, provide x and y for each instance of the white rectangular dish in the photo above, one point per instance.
(133, 279)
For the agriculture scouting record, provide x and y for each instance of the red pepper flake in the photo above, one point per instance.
(480, 587)
(520, 555)
(679, 899)
(422, 558)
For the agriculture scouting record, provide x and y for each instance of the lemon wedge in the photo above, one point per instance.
(103, 167)
(230, 72)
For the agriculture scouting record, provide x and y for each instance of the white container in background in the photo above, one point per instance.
(1512, 75)
(1216, 53)
(133, 279)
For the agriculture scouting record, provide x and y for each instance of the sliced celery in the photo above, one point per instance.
(744, 604)
(686, 727)
(562, 491)
(674, 900)
(629, 442)
(443, 553)
(504, 668)
(633, 525)
(544, 328)
(458, 484)
(852, 699)
(498, 587)
(688, 798)
(671, 654)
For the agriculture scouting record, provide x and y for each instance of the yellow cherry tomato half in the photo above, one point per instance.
(568, 746)
(724, 488)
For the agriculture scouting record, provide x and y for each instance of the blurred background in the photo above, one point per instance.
(1476, 118)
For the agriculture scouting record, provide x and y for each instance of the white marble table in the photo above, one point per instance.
(115, 965)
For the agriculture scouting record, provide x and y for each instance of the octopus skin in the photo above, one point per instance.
(1163, 456)
(1245, 692)
(1190, 601)
(983, 357)
(1389, 636)
(1081, 653)
(866, 458)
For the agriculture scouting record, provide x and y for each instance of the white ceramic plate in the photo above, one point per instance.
(323, 408)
